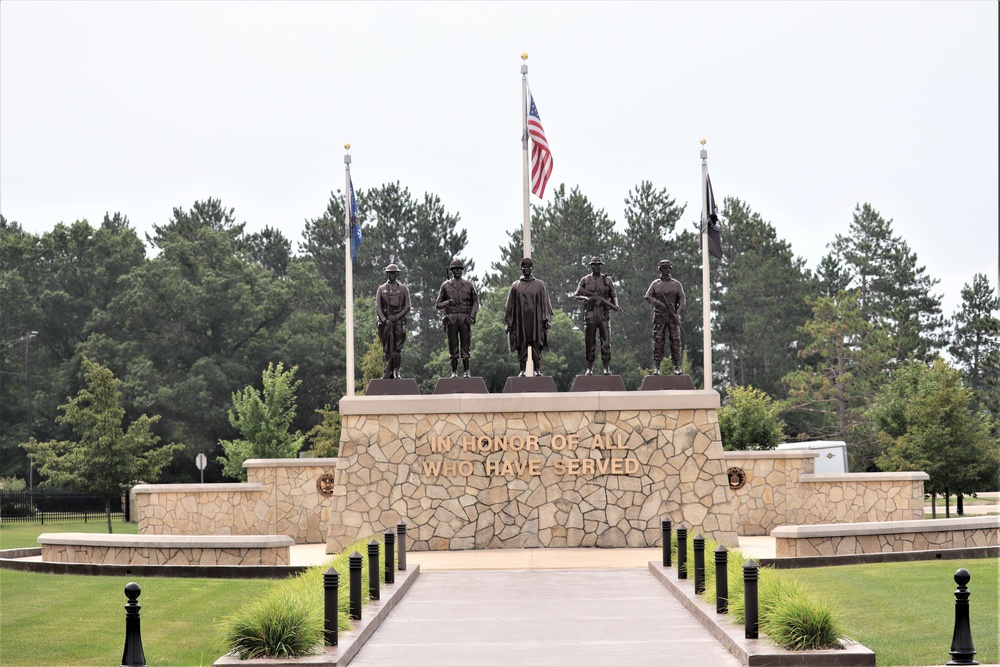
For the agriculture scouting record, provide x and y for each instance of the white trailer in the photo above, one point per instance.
(832, 454)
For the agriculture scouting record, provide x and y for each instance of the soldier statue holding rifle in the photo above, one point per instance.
(460, 302)
(667, 297)
(392, 304)
(597, 294)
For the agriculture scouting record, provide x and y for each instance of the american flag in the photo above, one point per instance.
(541, 157)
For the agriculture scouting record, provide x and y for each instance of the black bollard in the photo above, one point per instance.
(354, 567)
(699, 564)
(665, 533)
(133, 656)
(721, 580)
(750, 576)
(962, 650)
(331, 606)
(682, 552)
(390, 557)
(373, 570)
(401, 545)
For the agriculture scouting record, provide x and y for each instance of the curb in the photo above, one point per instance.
(351, 641)
(15, 559)
(756, 652)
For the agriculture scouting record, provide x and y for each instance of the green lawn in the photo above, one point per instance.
(905, 612)
(23, 535)
(51, 619)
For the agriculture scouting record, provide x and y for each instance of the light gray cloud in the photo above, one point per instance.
(808, 108)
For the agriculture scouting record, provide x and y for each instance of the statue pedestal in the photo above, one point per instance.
(461, 386)
(532, 383)
(401, 387)
(598, 383)
(660, 382)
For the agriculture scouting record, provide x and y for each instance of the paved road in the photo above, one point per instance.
(543, 617)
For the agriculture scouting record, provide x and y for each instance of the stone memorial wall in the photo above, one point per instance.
(469, 471)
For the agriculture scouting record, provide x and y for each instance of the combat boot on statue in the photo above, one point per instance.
(676, 355)
(590, 368)
(522, 373)
(454, 368)
(465, 368)
(607, 368)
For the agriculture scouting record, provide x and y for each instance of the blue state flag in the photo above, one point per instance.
(355, 226)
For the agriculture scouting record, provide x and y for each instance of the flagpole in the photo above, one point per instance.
(526, 236)
(349, 271)
(706, 306)
(526, 227)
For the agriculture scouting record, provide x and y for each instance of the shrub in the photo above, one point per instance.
(749, 420)
(288, 620)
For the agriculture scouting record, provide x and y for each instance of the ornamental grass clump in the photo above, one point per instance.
(277, 626)
(788, 611)
(800, 624)
(287, 621)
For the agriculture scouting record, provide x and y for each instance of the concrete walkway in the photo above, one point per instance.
(541, 617)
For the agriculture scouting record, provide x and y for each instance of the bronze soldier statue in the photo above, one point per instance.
(528, 315)
(392, 304)
(460, 302)
(667, 297)
(597, 294)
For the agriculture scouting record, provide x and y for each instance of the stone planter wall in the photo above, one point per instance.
(531, 470)
(164, 550)
(882, 537)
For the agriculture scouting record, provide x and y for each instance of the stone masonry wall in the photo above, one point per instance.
(202, 509)
(780, 489)
(531, 470)
(770, 483)
(110, 555)
(282, 497)
(858, 497)
(291, 491)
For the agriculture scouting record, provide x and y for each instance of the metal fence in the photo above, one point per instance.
(52, 506)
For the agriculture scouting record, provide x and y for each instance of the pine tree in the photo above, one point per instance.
(894, 292)
(828, 396)
(761, 288)
(976, 333)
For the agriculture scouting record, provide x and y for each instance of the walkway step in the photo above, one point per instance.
(550, 617)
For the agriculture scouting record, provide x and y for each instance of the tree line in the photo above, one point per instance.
(192, 314)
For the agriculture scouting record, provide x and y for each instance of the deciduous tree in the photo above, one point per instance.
(927, 421)
(106, 459)
(264, 419)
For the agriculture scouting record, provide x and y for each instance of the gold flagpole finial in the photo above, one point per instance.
(348, 146)
(703, 142)
(524, 56)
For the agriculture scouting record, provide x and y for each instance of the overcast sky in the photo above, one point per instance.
(808, 108)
